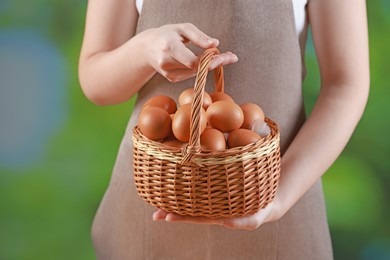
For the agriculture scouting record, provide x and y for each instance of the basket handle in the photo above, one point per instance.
(193, 147)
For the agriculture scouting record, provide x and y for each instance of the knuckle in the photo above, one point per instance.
(164, 66)
(165, 73)
(192, 64)
(188, 26)
(166, 46)
(174, 47)
(161, 62)
(175, 79)
(171, 78)
(166, 26)
(199, 37)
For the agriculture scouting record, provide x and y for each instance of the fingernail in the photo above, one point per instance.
(211, 40)
(235, 58)
(168, 218)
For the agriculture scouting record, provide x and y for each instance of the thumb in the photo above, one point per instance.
(196, 36)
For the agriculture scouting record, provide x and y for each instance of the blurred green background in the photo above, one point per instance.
(57, 150)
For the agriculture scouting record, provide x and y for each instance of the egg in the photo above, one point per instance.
(261, 128)
(187, 95)
(251, 112)
(218, 96)
(164, 102)
(155, 123)
(212, 140)
(242, 137)
(225, 116)
(173, 142)
(181, 122)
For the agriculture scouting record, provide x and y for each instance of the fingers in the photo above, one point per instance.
(184, 55)
(172, 59)
(167, 53)
(172, 217)
(170, 64)
(176, 73)
(250, 222)
(219, 60)
(222, 60)
(196, 36)
(159, 215)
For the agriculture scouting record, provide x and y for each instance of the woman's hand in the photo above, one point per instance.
(250, 222)
(165, 50)
(115, 62)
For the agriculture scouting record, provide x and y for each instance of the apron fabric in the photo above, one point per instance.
(269, 73)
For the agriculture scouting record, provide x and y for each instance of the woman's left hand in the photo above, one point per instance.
(250, 222)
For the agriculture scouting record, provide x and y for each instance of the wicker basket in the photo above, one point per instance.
(232, 183)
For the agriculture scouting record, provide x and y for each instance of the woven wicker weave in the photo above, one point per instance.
(232, 183)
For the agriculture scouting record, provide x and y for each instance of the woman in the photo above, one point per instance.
(125, 53)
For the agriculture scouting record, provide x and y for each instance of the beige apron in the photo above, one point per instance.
(269, 73)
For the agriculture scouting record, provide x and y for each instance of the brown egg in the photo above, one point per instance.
(155, 123)
(165, 102)
(218, 96)
(187, 95)
(212, 140)
(173, 142)
(225, 116)
(251, 112)
(261, 128)
(181, 122)
(242, 137)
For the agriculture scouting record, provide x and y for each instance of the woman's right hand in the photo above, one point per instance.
(165, 50)
(115, 62)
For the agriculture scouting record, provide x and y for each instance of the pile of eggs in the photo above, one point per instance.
(223, 123)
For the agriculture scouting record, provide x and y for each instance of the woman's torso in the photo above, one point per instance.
(300, 18)
(262, 33)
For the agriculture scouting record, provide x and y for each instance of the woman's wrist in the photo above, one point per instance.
(139, 46)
